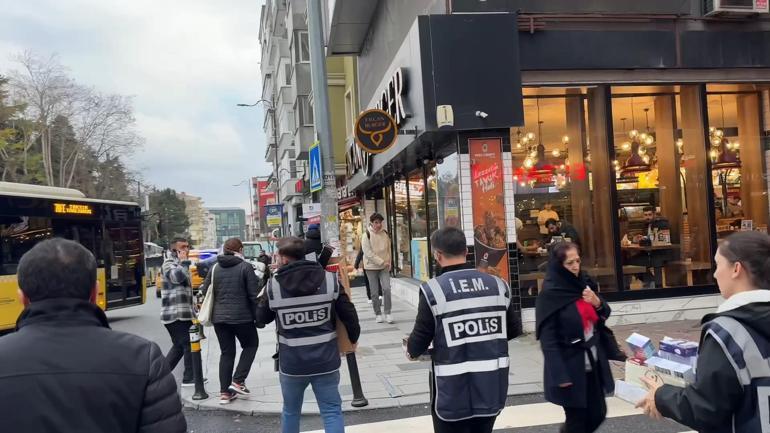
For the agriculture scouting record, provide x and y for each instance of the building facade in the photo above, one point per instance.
(230, 222)
(285, 67)
(603, 110)
(200, 230)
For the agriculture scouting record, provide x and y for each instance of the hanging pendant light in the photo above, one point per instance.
(724, 155)
(635, 163)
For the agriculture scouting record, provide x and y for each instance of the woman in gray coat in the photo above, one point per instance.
(236, 287)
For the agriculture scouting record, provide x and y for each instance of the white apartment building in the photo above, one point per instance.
(286, 85)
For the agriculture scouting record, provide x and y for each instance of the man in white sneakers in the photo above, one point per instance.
(377, 265)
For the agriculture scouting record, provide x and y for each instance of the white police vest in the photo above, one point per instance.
(749, 355)
(470, 344)
(307, 336)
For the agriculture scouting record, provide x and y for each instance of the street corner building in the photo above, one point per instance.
(640, 127)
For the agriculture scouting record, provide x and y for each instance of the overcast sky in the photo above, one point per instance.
(186, 62)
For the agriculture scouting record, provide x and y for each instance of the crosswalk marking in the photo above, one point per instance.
(525, 415)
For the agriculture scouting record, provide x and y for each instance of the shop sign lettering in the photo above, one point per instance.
(391, 100)
(356, 159)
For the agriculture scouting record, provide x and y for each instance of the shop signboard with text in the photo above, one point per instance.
(489, 228)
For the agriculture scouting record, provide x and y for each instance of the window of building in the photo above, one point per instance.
(662, 198)
(305, 110)
(288, 71)
(737, 155)
(558, 195)
(403, 261)
(301, 47)
(418, 215)
(349, 114)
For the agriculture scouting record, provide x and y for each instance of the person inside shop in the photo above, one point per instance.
(561, 230)
(544, 215)
(727, 394)
(652, 260)
(652, 224)
(734, 208)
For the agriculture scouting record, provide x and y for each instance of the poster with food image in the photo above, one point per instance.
(488, 198)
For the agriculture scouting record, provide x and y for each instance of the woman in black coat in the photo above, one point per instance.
(236, 288)
(569, 315)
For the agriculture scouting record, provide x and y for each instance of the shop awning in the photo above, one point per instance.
(350, 20)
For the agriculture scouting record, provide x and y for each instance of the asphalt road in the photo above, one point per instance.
(144, 321)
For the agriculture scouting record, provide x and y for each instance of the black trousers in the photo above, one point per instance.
(180, 347)
(587, 419)
(473, 425)
(368, 288)
(246, 333)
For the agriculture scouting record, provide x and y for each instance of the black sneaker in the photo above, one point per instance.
(227, 397)
(191, 382)
(240, 388)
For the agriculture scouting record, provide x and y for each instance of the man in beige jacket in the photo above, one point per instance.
(377, 265)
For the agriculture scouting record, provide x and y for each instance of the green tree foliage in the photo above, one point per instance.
(167, 212)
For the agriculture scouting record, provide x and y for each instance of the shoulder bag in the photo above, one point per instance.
(207, 307)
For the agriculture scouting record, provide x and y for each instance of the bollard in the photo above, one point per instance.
(355, 380)
(195, 351)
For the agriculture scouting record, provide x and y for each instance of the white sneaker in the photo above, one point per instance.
(378, 319)
(389, 318)
(368, 301)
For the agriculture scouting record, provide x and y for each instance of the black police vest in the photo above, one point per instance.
(749, 355)
(307, 336)
(470, 345)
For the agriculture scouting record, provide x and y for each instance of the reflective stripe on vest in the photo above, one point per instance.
(753, 371)
(277, 300)
(472, 366)
(307, 341)
(442, 306)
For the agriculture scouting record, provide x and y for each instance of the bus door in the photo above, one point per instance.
(122, 250)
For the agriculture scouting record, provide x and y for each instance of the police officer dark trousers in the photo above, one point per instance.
(466, 314)
(305, 301)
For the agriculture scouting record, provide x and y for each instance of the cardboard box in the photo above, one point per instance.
(629, 392)
(641, 346)
(682, 348)
(636, 370)
(692, 361)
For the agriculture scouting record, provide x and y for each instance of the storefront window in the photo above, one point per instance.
(444, 194)
(662, 190)
(737, 155)
(562, 185)
(419, 226)
(403, 262)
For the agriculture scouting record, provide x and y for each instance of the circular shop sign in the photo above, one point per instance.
(376, 131)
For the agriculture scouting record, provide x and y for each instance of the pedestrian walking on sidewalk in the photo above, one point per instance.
(377, 265)
(467, 315)
(176, 311)
(234, 314)
(65, 370)
(306, 301)
(568, 315)
(732, 381)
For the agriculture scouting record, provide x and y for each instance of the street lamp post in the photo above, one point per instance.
(271, 111)
(250, 234)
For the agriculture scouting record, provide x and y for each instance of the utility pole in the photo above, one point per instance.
(330, 229)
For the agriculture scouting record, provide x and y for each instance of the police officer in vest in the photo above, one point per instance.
(467, 316)
(731, 392)
(306, 301)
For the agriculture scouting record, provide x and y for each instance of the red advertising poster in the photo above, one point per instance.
(265, 197)
(489, 235)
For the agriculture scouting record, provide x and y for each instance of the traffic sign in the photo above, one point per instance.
(376, 131)
(314, 157)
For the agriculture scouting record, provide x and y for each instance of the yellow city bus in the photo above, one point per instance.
(111, 230)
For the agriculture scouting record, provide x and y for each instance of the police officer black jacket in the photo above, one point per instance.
(719, 401)
(307, 280)
(65, 370)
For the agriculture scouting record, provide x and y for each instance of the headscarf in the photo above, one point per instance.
(561, 288)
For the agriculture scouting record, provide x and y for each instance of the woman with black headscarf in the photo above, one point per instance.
(569, 317)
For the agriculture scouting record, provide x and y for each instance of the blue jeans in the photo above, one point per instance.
(327, 393)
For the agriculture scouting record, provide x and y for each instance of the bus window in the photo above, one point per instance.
(18, 234)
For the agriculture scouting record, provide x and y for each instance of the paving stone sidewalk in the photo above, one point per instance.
(388, 378)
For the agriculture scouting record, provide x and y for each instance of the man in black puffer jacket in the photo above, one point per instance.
(65, 370)
(236, 288)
